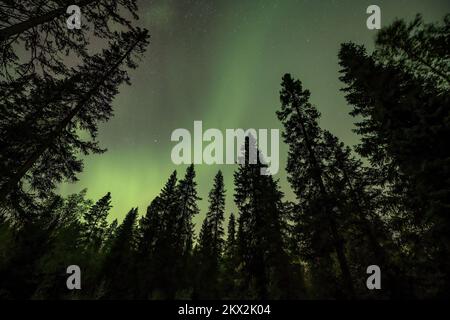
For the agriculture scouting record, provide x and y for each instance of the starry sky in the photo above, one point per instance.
(221, 62)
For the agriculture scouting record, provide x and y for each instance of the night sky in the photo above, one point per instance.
(221, 62)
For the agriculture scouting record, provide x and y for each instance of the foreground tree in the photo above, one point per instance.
(318, 209)
(45, 104)
(265, 266)
(404, 127)
(55, 126)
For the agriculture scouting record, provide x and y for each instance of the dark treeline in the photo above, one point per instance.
(384, 203)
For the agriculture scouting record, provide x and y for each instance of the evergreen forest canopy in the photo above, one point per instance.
(385, 203)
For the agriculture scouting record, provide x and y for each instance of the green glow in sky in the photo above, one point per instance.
(221, 62)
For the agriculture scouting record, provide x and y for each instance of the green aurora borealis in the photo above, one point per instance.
(221, 61)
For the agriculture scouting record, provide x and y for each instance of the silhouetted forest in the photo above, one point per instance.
(385, 202)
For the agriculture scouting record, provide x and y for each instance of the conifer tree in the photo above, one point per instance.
(95, 222)
(403, 128)
(211, 241)
(188, 208)
(230, 261)
(370, 239)
(150, 228)
(42, 97)
(119, 266)
(264, 272)
(215, 214)
(55, 126)
(205, 285)
(318, 209)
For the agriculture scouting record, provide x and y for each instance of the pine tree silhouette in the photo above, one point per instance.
(306, 173)
(210, 247)
(260, 242)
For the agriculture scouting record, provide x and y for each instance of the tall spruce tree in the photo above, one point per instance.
(318, 209)
(166, 253)
(205, 284)
(230, 261)
(215, 215)
(150, 228)
(187, 209)
(211, 242)
(265, 270)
